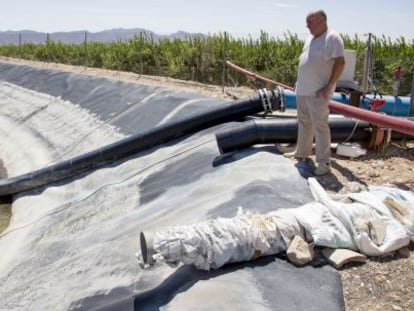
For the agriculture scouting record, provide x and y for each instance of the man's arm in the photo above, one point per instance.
(338, 67)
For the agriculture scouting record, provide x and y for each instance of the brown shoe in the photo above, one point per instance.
(322, 169)
(293, 155)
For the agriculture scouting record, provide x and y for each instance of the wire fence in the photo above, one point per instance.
(202, 58)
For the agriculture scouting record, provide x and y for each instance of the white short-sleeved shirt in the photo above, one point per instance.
(316, 62)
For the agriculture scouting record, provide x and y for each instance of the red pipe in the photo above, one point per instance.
(256, 76)
(397, 124)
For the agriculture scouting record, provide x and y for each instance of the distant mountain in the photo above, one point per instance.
(29, 36)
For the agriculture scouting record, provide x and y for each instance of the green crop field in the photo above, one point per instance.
(200, 58)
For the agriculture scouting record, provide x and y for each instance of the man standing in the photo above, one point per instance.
(320, 66)
(397, 80)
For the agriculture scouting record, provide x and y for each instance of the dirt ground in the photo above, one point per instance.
(380, 284)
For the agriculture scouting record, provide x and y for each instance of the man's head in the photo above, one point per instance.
(316, 21)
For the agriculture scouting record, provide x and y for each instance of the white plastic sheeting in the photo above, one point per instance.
(327, 222)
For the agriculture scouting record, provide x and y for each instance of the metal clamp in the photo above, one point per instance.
(267, 105)
(280, 92)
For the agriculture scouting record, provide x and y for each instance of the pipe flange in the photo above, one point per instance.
(147, 247)
(266, 102)
(280, 93)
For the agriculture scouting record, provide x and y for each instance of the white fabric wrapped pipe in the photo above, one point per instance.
(325, 222)
(214, 243)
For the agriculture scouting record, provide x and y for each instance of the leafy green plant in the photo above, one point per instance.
(200, 58)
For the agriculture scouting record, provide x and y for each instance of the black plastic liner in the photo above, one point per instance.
(140, 142)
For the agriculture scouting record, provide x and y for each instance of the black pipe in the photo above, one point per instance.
(260, 131)
(264, 100)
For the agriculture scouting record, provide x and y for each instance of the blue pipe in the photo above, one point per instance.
(394, 106)
(290, 98)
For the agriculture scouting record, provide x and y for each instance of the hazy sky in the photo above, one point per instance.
(393, 18)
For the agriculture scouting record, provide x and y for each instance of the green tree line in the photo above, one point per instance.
(200, 58)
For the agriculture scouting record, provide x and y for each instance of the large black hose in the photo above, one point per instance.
(264, 100)
(266, 131)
